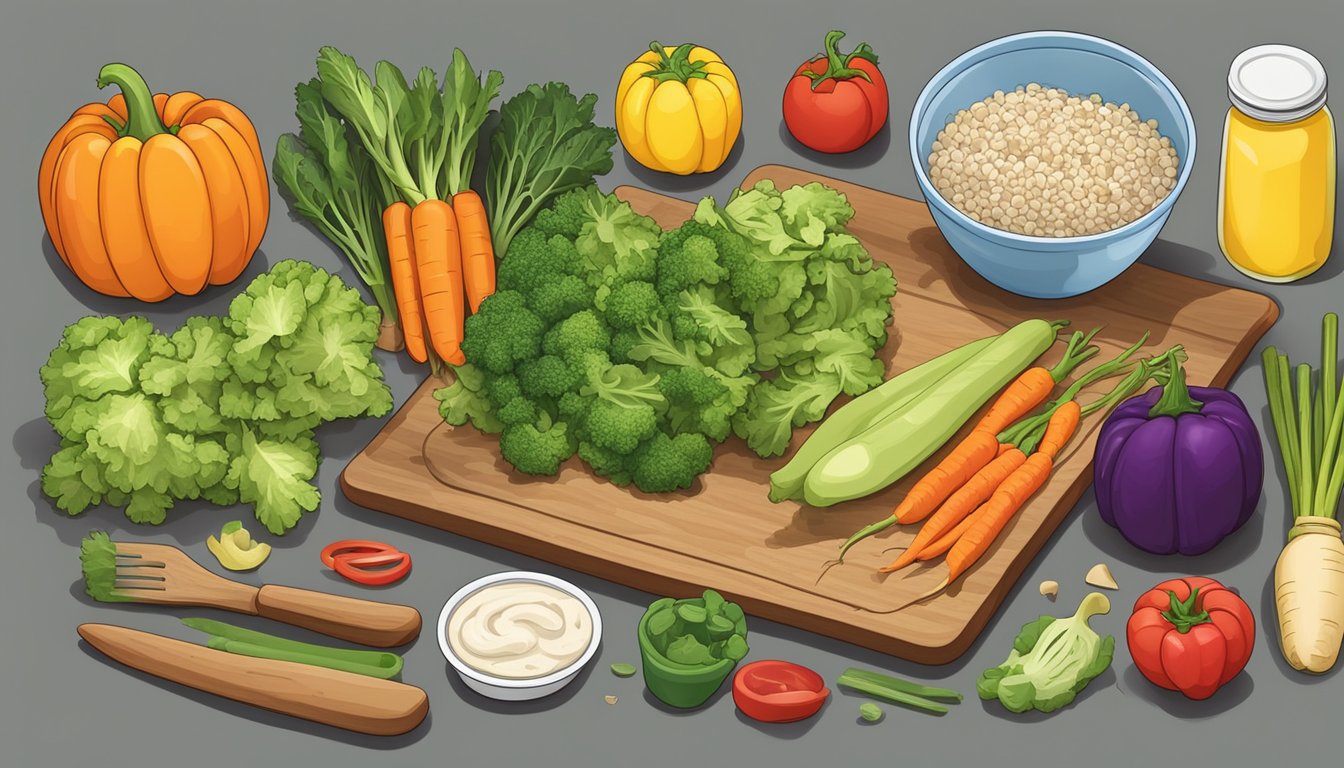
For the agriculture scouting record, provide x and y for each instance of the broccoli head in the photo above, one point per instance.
(669, 463)
(535, 451)
(502, 333)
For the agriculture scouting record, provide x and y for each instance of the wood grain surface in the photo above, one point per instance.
(724, 533)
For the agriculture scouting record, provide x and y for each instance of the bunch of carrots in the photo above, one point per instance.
(969, 498)
(422, 139)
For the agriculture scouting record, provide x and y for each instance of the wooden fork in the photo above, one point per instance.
(158, 573)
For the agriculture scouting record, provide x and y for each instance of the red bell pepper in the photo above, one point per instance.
(365, 562)
(778, 691)
(1191, 635)
(836, 103)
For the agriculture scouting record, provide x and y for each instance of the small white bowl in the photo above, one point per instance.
(513, 689)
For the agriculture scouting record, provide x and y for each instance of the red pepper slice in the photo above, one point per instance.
(352, 546)
(773, 691)
(365, 569)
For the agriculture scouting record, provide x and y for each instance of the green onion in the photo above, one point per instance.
(1309, 424)
(246, 642)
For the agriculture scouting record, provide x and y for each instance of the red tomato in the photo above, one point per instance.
(778, 691)
(1191, 635)
(836, 103)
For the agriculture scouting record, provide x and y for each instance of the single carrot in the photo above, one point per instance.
(1034, 385)
(1025, 481)
(405, 284)
(960, 505)
(945, 542)
(478, 253)
(438, 267)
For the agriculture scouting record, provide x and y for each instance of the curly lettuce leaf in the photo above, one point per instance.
(276, 477)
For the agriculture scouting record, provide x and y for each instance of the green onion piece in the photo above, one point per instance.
(371, 663)
(392, 669)
(905, 686)
(885, 693)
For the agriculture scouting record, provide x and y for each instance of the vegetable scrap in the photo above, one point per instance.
(898, 691)
(235, 549)
(1049, 588)
(773, 691)
(690, 646)
(1309, 575)
(638, 349)
(610, 699)
(1052, 661)
(370, 563)
(223, 409)
(870, 712)
(1099, 575)
(621, 669)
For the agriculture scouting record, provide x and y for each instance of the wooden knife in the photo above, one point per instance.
(341, 699)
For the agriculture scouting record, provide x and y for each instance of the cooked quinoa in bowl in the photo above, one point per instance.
(1039, 161)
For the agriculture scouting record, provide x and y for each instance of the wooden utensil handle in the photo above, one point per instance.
(341, 699)
(382, 625)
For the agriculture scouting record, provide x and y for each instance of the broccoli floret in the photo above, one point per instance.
(690, 386)
(502, 390)
(519, 410)
(502, 333)
(547, 376)
(577, 334)
(621, 344)
(535, 260)
(703, 400)
(631, 304)
(669, 463)
(694, 261)
(560, 298)
(572, 407)
(619, 428)
(565, 216)
(616, 467)
(533, 451)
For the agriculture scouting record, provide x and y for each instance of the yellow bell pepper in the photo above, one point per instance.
(678, 110)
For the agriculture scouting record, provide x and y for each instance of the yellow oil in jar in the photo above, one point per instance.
(1277, 195)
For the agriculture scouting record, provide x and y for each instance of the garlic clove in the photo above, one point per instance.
(1050, 588)
(1100, 576)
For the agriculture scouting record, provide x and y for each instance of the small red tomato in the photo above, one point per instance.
(1191, 635)
(778, 691)
(836, 103)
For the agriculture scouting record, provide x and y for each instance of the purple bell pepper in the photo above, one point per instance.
(1179, 468)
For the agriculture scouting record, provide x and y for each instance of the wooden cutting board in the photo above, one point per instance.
(724, 533)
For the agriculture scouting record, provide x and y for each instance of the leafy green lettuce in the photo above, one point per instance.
(222, 409)
(1051, 662)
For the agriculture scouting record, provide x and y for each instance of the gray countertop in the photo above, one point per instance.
(62, 705)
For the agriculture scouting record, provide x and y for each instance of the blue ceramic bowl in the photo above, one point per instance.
(1049, 267)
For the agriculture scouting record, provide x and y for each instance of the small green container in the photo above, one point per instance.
(679, 685)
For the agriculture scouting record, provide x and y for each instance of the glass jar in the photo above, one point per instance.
(1276, 197)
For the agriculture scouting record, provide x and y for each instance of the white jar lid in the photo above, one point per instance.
(1276, 83)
